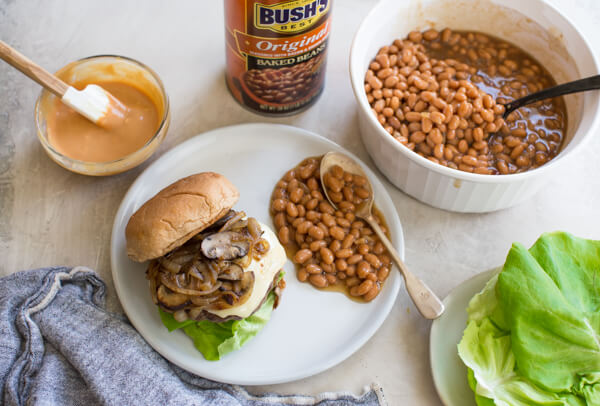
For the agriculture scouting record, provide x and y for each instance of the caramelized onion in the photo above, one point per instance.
(192, 289)
(169, 265)
(203, 301)
(233, 272)
(227, 226)
(182, 257)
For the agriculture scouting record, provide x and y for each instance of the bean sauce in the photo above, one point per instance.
(441, 94)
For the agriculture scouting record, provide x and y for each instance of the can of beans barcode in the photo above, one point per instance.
(276, 52)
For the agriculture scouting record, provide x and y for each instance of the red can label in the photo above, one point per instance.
(276, 52)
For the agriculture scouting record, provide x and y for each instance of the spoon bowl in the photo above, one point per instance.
(332, 159)
(428, 304)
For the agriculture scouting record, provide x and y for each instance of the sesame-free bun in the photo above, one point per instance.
(177, 213)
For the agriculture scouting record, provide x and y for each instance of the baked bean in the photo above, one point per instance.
(364, 287)
(312, 184)
(278, 205)
(284, 235)
(302, 275)
(317, 245)
(313, 216)
(341, 265)
(348, 193)
(373, 260)
(302, 256)
(303, 227)
(328, 220)
(372, 293)
(315, 269)
(335, 245)
(363, 249)
(317, 195)
(279, 220)
(343, 253)
(316, 232)
(430, 35)
(385, 259)
(332, 182)
(291, 209)
(337, 172)
(354, 258)
(348, 241)
(437, 117)
(382, 273)
(343, 222)
(307, 170)
(372, 277)
(318, 280)
(362, 269)
(331, 279)
(327, 255)
(346, 206)
(337, 232)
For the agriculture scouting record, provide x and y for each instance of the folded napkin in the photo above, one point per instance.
(59, 346)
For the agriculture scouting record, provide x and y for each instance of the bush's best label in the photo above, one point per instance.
(276, 52)
(290, 16)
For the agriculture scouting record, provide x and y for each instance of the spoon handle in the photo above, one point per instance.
(581, 85)
(428, 304)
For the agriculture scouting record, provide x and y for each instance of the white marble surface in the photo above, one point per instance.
(49, 216)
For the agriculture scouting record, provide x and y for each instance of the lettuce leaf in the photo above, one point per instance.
(214, 340)
(533, 332)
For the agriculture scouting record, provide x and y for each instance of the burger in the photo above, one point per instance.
(213, 272)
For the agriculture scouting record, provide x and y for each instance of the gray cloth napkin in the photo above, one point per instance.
(59, 346)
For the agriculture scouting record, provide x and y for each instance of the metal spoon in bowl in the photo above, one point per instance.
(581, 85)
(428, 304)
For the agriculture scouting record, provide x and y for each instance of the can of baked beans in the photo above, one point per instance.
(276, 53)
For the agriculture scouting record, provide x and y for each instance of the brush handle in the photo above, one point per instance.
(32, 70)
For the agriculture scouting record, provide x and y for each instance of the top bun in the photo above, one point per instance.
(177, 213)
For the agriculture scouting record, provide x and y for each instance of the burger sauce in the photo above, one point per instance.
(74, 136)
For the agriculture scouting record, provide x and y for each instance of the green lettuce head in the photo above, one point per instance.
(533, 332)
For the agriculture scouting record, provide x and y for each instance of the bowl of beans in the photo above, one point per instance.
(431, 80)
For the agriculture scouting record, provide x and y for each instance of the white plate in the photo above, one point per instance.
(449, 372)
(311, 330)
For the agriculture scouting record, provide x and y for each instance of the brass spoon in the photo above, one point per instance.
(428, 304)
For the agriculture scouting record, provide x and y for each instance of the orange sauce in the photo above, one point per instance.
(76, 137)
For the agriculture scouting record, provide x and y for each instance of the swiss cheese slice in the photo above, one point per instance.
(264, 273)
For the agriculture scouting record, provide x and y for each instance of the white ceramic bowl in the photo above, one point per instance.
(535, 26)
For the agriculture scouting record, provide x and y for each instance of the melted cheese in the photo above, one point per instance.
(264, 272)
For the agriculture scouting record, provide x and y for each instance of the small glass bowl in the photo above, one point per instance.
(107, 68)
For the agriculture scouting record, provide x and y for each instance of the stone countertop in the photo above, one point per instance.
(49, 216)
